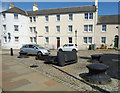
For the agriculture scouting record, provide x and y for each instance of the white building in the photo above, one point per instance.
(54, 27)
(14, 28)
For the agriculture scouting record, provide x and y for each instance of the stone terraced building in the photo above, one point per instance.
(52, 28)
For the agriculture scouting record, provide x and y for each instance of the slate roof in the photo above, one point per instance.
(15, 10)
(108, 19)
(79, 9)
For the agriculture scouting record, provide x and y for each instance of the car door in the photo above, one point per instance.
(66, 47)
(70, 47)
(25, 48)
(31, 49)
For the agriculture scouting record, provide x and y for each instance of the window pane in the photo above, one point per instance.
(89, 39)
(47, 39)
(16, 27)
(90, 15)
(86, 15)
(103, 40)
(34, 39)
(58, 28)
(34, 29)
(5, 39)
(30, 19)
(58, 17)
(46, 18)
(34, 19)
(4, 27)
(85, 40)
(4, 16)
(16, 39)
(90, 28)
(46, 29)
(86, 28)
(70, 39)
(15, 16)
(103, 27)
(70, 28)
(70, 16)
(30, 29)
(31, 39)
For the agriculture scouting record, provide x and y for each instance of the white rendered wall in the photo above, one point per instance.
(78, 23)
(22, 33)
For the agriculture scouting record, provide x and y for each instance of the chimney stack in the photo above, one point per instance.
(96, 3)
(11, 5)
(35, 7)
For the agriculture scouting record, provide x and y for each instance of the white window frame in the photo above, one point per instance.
(47, 18)
(16, 40)
(34, 29)
(46, 29)
(70, 17)
(57, 17)
(91, 17)
(87, 40)
(5, 39)
(34, 19)
(30, 19)
(31, 29)
(70, 39)
(88, 28)
(47, 40)
(15, 28)
(85, 28)
(35, 40)
(16, 16)
(102, 40)
(88, 17)
(31, 39)
(4, 16)
(70, 28)
(4, 28)
(58, 29)
(105, 28)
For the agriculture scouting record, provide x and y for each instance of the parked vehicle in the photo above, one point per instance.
(68, 47)
(33, 49)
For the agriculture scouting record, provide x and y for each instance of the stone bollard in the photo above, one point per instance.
(11, 51)
(97, 74)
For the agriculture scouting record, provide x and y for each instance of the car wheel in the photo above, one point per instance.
(74, 50)
(60, 50)
(39, 54)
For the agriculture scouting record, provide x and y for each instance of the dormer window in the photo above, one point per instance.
(15, 16)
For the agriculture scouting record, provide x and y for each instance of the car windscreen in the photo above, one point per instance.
(40, 46)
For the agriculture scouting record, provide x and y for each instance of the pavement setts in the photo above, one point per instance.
(16, 77)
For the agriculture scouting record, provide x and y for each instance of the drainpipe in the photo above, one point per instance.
(96, 20)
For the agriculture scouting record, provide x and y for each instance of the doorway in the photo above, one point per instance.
(116, 41)
(58, 42)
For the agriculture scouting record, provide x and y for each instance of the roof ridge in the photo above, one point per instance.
(62, 8)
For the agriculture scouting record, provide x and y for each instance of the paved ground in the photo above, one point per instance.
(17, 75)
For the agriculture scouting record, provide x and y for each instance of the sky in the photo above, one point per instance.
(105, 8)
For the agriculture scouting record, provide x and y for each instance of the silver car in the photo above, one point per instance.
(33, 49)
